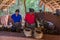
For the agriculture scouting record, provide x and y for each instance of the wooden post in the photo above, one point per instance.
(25, 5)
(44, 7)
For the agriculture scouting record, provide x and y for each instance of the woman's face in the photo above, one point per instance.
(32, 12)
(17, 13)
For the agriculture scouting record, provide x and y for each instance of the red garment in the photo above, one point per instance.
(30, 18)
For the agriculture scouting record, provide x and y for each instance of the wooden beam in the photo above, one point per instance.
(3, 2)
(25, 5)
(49, 8)
(50, 5)
(8, 2)
(7, 6)
(41, 3)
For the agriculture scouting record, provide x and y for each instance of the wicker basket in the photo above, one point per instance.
(38, 34)
(1, 26)
(27, 32)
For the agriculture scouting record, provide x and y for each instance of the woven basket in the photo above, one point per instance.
(27, 32)
(38, 34)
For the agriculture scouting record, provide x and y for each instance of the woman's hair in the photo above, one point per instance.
(17, 10)
(31, 10)
(40, 10)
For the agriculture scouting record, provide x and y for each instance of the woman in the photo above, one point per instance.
(30, 20)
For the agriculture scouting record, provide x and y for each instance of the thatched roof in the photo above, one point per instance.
(51, 4)
(6, 3)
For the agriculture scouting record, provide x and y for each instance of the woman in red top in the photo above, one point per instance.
(30, 20)
(30, 17)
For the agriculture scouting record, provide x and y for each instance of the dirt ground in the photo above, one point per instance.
(20, 36)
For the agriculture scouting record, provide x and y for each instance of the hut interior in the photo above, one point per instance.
(50, 14)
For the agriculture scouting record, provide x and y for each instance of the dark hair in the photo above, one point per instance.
(17, 10)
(40, 10)
(31, 10)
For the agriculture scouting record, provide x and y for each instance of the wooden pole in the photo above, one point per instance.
(25, 5)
